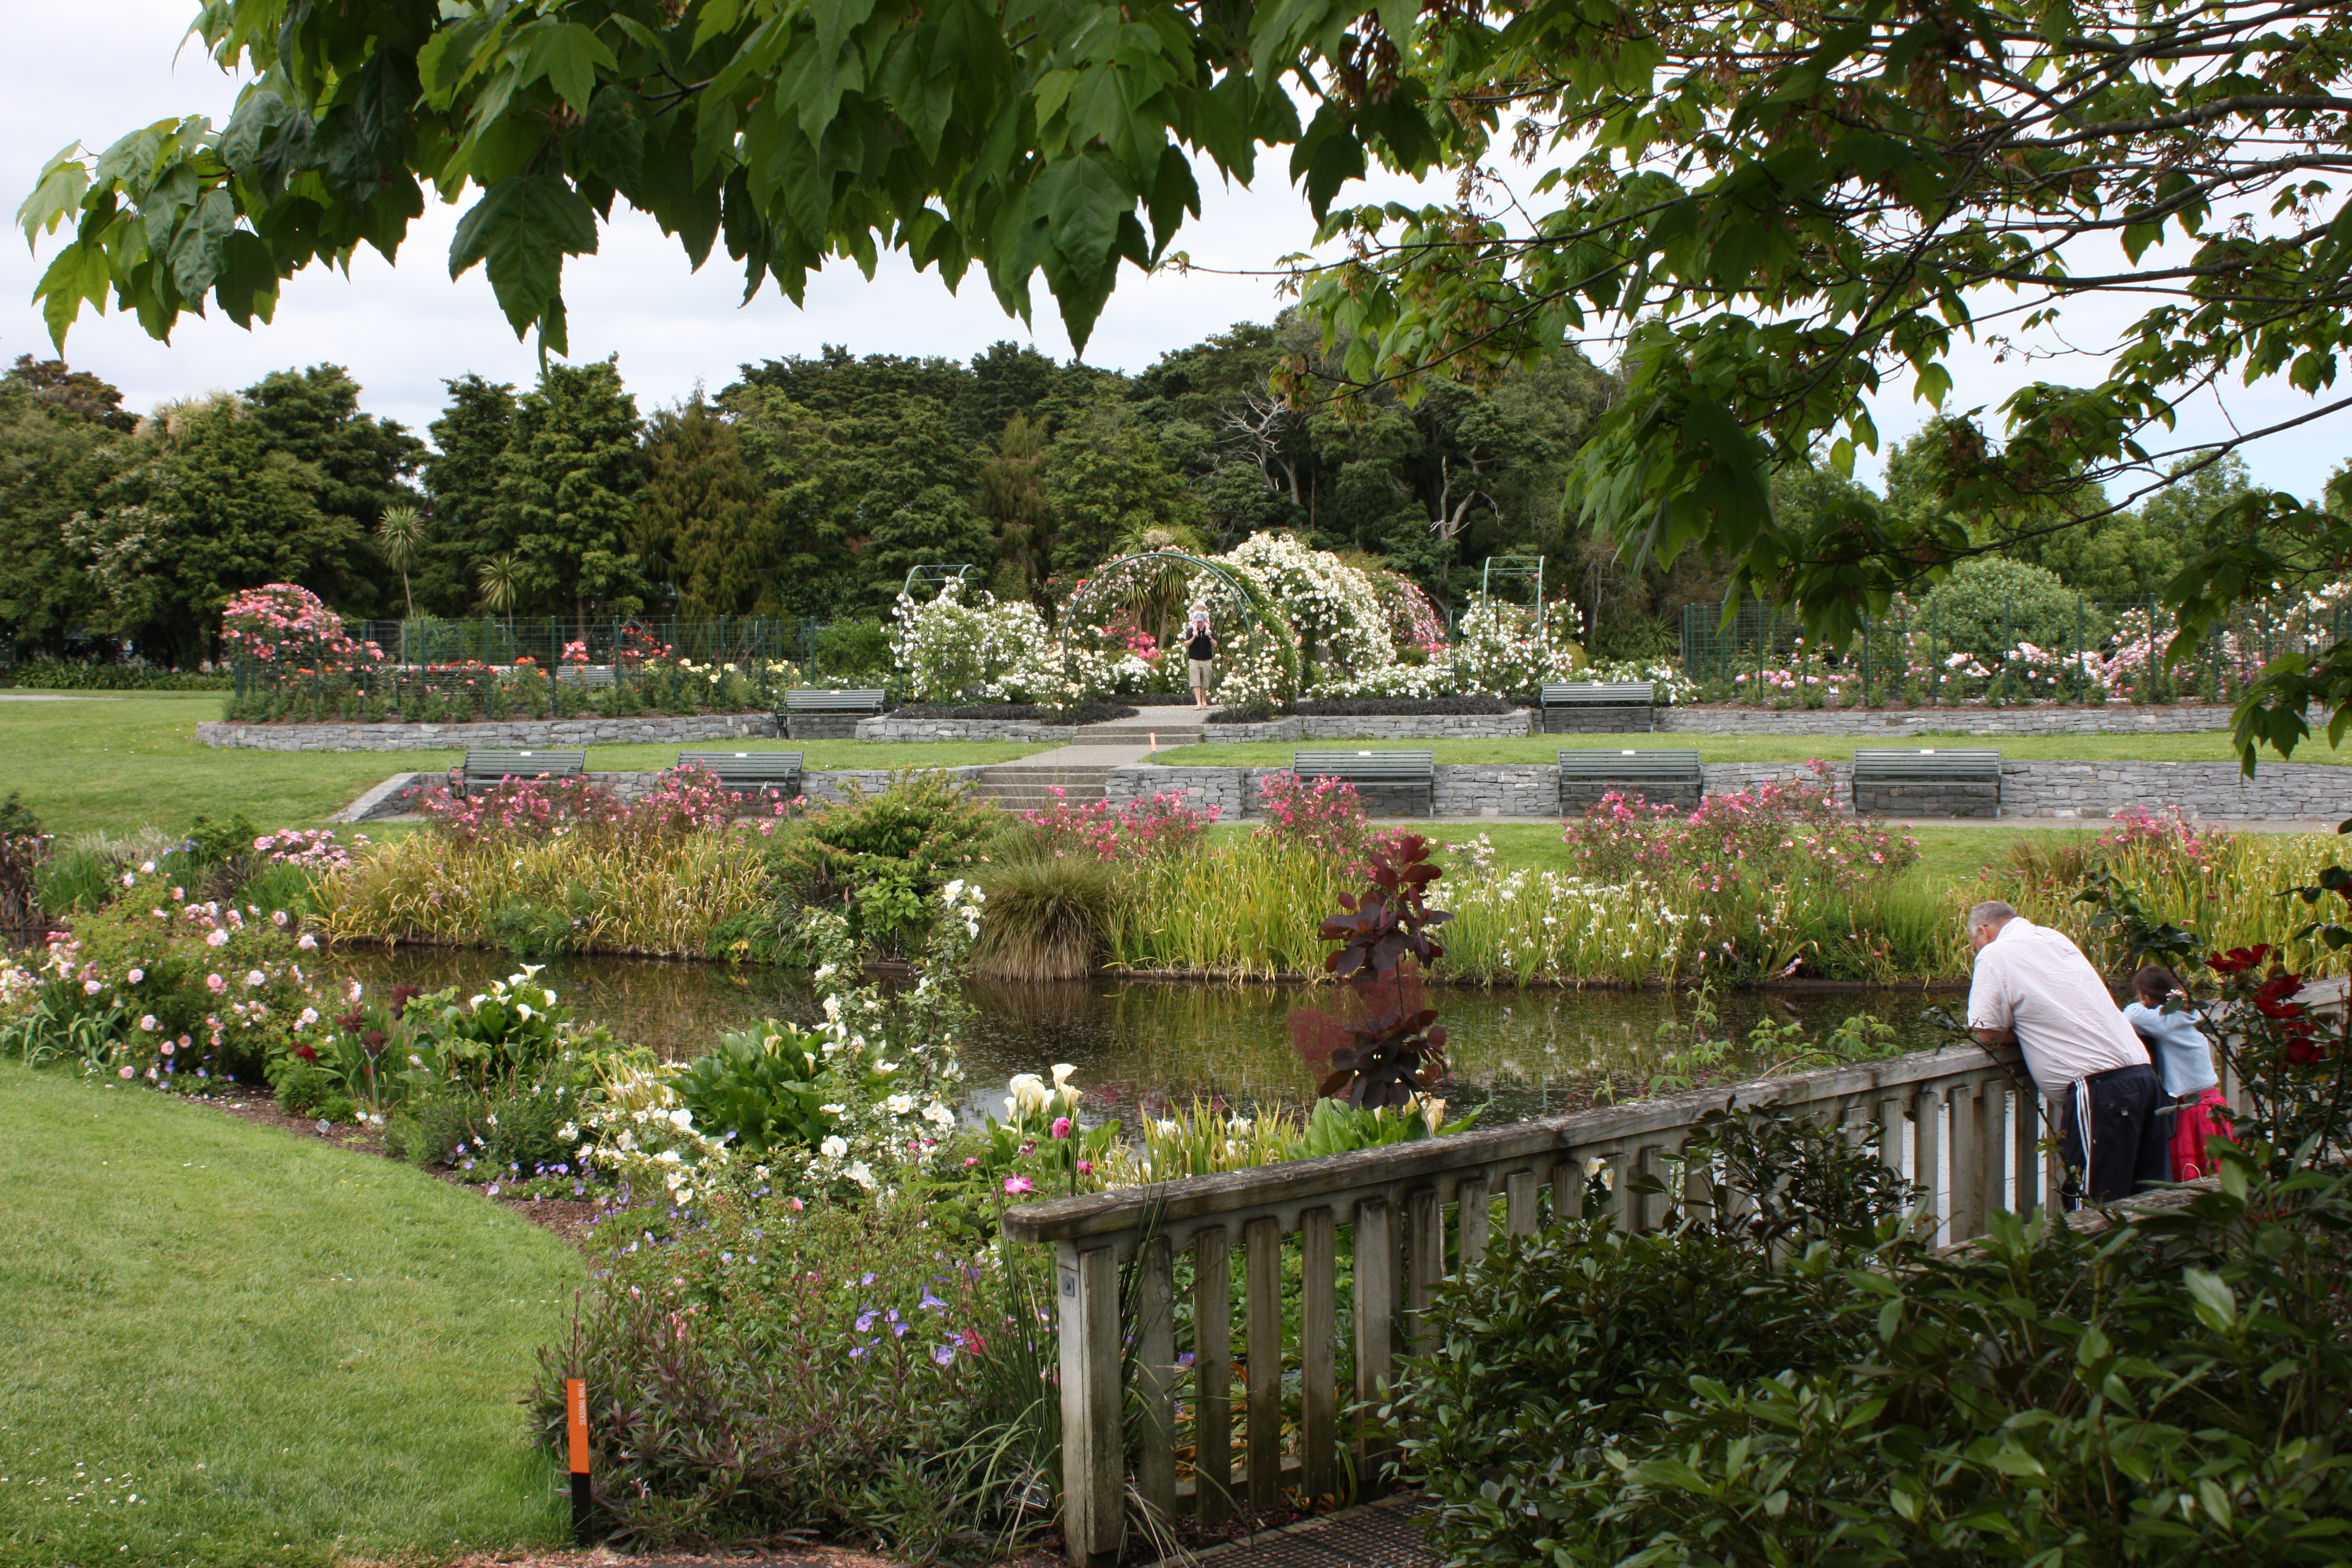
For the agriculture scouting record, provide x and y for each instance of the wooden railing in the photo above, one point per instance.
(1954, 1120)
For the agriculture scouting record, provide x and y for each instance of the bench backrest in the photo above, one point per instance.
(1965, 762)
(1588, 762)
(593, 674)
(862, 699)
(1582, 693)
(747, 767)
(1365, 764)
(485, 764)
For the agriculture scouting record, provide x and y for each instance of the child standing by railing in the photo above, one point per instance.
(2192, 1090)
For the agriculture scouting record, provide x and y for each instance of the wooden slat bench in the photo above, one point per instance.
(484, 766)
(1575, 706)
(778, 771)
(1379, 770)
(809, 714)
(589, 674)
(1933, 778)
(1589, 774)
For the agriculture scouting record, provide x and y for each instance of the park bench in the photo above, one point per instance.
(591, 675)
(1593, 773)
(863, 702)
(1598, 705)
(1928, 775)
(812, 715)
(487, 767)
(1379, 770)
(779, 771)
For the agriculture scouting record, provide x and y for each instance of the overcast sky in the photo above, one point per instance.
(91, 70)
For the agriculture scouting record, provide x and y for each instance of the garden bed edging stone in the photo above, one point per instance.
(2057, 791)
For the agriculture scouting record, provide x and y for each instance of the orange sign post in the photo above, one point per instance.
(576, 1414)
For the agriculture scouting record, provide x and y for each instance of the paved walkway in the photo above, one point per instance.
(1383, 1535)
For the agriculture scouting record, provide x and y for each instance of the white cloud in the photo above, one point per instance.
(92, 71)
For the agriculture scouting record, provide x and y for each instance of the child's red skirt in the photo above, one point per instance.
(2206, 1115)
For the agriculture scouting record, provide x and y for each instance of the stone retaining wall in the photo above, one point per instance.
(1518, 722)
(889, 727)
(2051, 790)
(402, 793)
(532, 733)
(1598, 720)
(2113, 718)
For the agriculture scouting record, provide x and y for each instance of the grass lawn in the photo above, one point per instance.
(2208, 747)
(286, 1352)
(134, 761)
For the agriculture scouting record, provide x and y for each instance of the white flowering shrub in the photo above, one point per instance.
(1333, 607)
(1673, 685)
(831, 1112)
(1498, 649)
(1440, 679)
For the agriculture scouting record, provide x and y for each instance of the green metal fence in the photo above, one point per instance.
(2089, 649)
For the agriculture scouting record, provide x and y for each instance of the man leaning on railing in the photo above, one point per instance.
(2033, 989)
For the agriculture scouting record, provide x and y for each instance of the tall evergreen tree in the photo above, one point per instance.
(204, 504)
(56, 426)
(567, 493)
(1012, 499)
(361, 463)
(704, 513)
(1108, 484)
(461, 480)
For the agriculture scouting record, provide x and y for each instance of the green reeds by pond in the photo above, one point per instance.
(1248, 906)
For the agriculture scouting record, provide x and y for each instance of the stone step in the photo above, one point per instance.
(1016, 787)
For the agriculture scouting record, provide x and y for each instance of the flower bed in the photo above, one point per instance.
(1089, 713)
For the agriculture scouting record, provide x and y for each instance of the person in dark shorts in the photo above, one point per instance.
(2036, 990)
(1201, 655)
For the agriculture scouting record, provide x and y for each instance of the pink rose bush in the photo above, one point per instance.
(1162, 825)
(159, 989)
(1771, 834)
(285, 626)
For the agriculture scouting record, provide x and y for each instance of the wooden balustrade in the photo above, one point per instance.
(1146, 1370)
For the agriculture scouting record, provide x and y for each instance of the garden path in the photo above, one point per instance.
(1380, 1535)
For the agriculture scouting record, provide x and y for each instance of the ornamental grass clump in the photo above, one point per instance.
(1049, 917)
(549, 865)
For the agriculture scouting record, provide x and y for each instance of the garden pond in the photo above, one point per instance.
(1521, 1053)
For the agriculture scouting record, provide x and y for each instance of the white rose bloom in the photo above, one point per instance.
(833, 1148)
(569, 1133)
(670, 1157)
(899, 1105)
(861, 1173)
(833, 1110)
(939, 1115)
(626, 1141)
(681, 1119)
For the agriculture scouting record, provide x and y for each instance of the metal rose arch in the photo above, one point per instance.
(1158, 587)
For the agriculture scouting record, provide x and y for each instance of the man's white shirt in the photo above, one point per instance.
(2036, 982)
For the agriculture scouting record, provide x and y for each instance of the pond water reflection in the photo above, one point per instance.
(1523, 1053)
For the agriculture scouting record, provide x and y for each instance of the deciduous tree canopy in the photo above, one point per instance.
(1790, 206)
